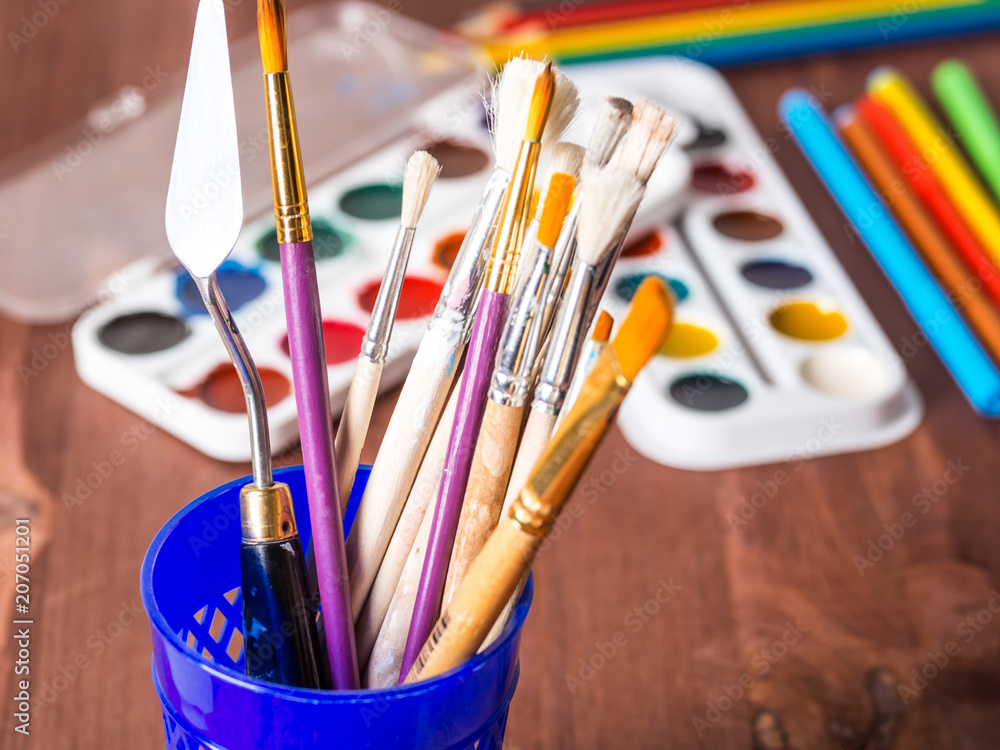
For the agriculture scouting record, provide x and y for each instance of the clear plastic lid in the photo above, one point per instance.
(83, 212)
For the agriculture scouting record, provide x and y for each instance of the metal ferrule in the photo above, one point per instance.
(566, 341)
(511, 383)
(465, 280)
(561, 464)
(291, 205)
(565, 251)
(376, 343)
(253, 391)
(604, 273)
(504, 259)
(266, 513)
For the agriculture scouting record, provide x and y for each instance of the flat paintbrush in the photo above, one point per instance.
(510, 550)
(509, 390)
(435, 362)
(490, 318)
(418, 177)
(306, 348)
(280, 640)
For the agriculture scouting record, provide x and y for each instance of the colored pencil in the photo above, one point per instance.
(942, 326)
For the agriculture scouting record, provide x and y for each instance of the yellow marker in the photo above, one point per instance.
(967, 195)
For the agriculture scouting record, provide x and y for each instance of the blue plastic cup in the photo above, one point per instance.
(191, 592)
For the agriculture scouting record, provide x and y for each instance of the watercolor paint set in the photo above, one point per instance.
(154, 344)
(774, 355)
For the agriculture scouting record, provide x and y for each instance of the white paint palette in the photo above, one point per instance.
(774, 355)
(154, 349)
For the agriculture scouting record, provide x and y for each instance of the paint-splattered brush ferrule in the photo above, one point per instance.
(504, 261)
(376, 342)
(565, 252)
(511, 384)
(291, 204)
(566, 341)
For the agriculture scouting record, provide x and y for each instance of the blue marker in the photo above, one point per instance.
(954, 343)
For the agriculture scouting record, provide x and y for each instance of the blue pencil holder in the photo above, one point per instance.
(191, 592)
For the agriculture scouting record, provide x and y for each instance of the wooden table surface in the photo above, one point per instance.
(695, 673)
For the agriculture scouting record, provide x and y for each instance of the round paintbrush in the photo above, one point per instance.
(418, 177)
(506, 559)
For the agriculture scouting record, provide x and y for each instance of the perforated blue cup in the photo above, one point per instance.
(191, 592)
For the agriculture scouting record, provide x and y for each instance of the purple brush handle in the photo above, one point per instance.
(479, 361)
(307, 350)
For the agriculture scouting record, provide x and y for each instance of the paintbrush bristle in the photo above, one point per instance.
(613, 120)
(271, 30)
(557, 200)
(646, 121)
(645, 326)
(610, 197)
(657, 144)
(541, 103)
(602, 328)
(421, 171)
(564, 106)
(567, 158)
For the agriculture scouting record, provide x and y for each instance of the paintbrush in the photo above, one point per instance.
(592, 350)
(509, 388)
(510, 550)
(490, 318)
(306, 347)
(614, 118)
(418, 177)
(279, 627)
(435, 362)
(609, 198)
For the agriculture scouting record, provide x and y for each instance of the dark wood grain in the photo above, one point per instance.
(737, 588)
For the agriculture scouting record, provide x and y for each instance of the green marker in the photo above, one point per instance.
(972, 116)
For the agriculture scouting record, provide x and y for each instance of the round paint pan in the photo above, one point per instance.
(341, 340)
(647, 244)
(747, 226)
(706, 136)
(628, 285)
(704, 391)
(446, 250)
(716, 178)
(458, 159)
(776, 274)
(146, 332)
(239, 286)
(418, 299)
(688, 340)
(374, 202)
(328, 243)
(808, 321)
(847, 371)
(221, 389)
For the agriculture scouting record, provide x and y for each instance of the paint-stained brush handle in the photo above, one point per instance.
(281, 644)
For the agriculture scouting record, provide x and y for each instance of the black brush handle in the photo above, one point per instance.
(279, 618)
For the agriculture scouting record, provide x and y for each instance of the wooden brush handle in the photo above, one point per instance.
(491, 580)
(491, 465)
(386, 659)
(354, 422)
(537, 434)
(406, 439)
(412, 520)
